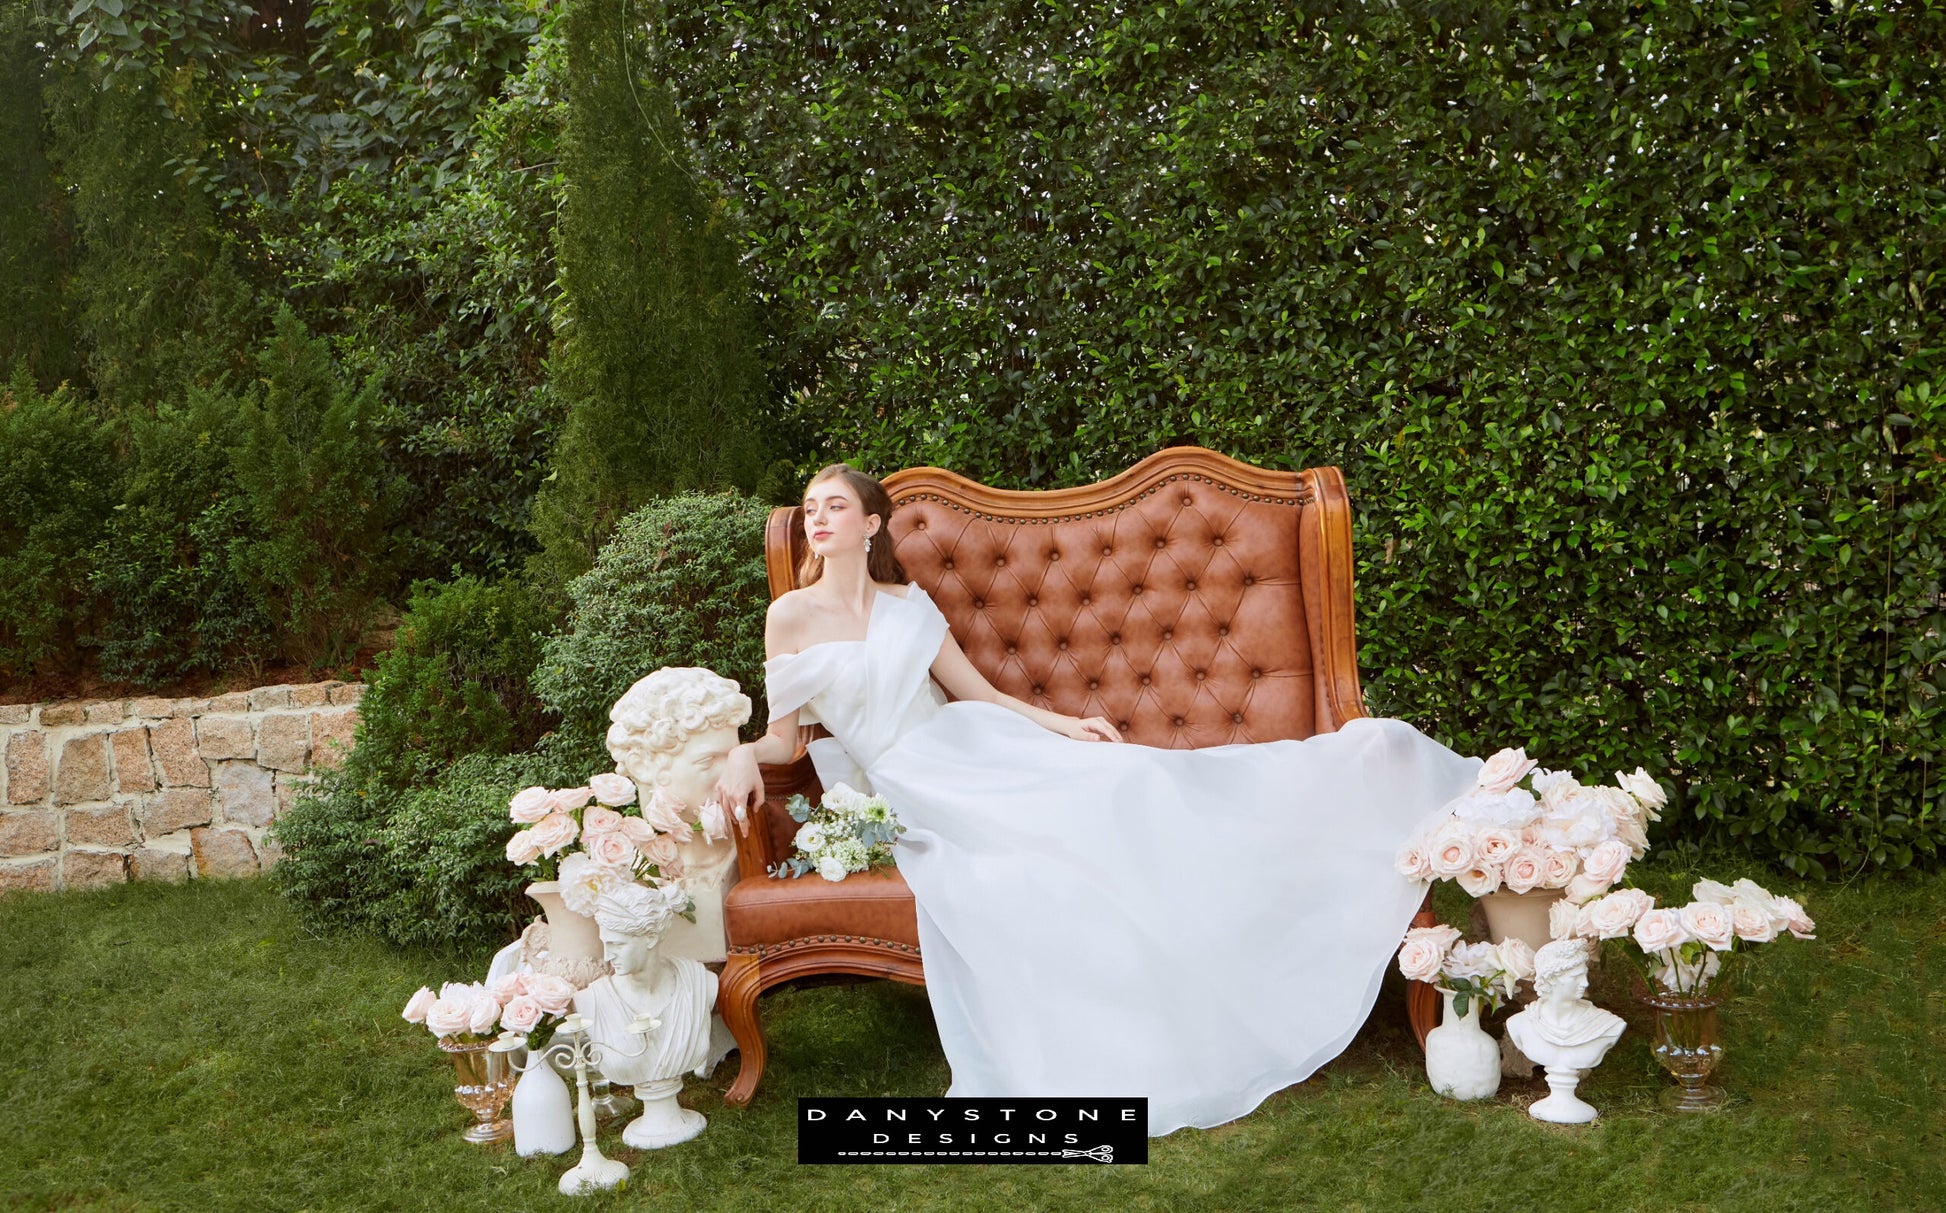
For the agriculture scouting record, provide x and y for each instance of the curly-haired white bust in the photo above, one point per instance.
(670, 734)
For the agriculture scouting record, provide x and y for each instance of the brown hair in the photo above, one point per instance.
(880, 563)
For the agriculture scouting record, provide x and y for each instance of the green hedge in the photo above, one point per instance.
(1623, 321)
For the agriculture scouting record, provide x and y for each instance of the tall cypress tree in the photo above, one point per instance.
(661, 358)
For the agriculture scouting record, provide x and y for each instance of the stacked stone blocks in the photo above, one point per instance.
(156, 788)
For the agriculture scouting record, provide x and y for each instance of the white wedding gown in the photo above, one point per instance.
(1201, 927)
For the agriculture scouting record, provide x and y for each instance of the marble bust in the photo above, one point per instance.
(670, 733)
(677, 993)
(1563, 1031)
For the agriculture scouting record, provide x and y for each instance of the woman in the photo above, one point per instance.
(1201, 927)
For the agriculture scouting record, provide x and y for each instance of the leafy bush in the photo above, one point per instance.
(421, 867)
(166, 567)
(1623, 323)
(321, 499)
(681, 582)
(453, 683)
(57, 486)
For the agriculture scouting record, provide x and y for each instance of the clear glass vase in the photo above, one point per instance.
(1685, 1044)
(483, 1083)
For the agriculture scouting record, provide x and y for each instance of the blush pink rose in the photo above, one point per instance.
(552, 832)
(1711, 923)
(567, 800)
(1614, 916)
(523, 848)
(1419, 959)
(1660, 930)
(528, 806)
(1584, 888)
(1562, 916)
(1504, 770)
(1557, 868)
(1605, 861)
(521, 1014)
(662, 852)
(1795, 919)
(1755, 922)
(485, 1013)
(661, 811)
(1493, 847)
(610, 848)
(1478, 881)
(554, 995)
(600, 821)
(716, 826)
(1412, 862)
(416, 1006)
(508, 988)
(450, 1014)
(613, 789)
(1524, 871)
(637, 831)
(1451, 850)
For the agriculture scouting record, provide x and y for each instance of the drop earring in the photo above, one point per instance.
(868, 545)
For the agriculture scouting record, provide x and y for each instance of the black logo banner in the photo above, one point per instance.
(941, 1130)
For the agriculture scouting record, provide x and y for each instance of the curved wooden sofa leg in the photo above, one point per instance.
(1421, 999)
(736, 997)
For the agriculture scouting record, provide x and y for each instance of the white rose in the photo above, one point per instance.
(1561, 918)
(1755, 921)
(449, 1015)
(1660, 930)
(1525, 869)
(1794, 917)
(1545, 779)
(1614, 916)
(1412, 862)
(1472, 960)
(1711, 923)
(1504, 770)
(416, 1007)
(1494, 846)
(1646, 791)
(809, 838)
(831, 868)
(1583, 887)
(1745, 889)
(1479, 881)
(1560, 793)
(1713, 890)
(1515, 958)
(485, 1014)
(1605, 861)
(528, 805)
(1557, 868)
(613, 789)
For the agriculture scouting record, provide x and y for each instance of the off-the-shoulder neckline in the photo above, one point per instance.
(910, 589)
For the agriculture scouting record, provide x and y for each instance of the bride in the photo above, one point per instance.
(1201, 927)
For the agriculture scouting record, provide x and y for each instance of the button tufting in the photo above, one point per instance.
(1217, 542)
(1037, 690)
(919, 525)
(1054, 555)
(1159, 541)
(1249, 580)
(1179, 722)
(1115, 639)
(1000, 563)
(949, 564)
(1123, 725)
(1032, 600)
(1145, 680)
(1224, 630)
(1085, 600)
(1094, 685)
(1256, 673)
(1169, 633)
(1063, 646)
(1185, 499)
(1236, 717)
(1108, 551)
(1012, 649)
(1200, 675)
(1135, 589)
(979, 604)
(1189, 585)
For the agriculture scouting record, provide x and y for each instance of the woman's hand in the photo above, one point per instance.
(741, 785)
(1094, 728)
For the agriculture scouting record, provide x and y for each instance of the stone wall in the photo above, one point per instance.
(159, 789)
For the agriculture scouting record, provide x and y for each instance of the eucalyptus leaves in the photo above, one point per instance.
(848, 832)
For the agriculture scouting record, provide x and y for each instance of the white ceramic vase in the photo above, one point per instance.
(543, 1114)
(1462, 1061)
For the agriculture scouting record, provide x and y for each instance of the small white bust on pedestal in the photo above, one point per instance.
(677, 991)
(671, 733)
(1563, 1031)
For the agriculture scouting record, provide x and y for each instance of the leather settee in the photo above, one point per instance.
(1194, 600)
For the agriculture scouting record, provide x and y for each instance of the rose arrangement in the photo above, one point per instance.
(1561, 834)
(1681, 947)
(612, 830)
(847, 833)
(466, 1012)
(1488, 972)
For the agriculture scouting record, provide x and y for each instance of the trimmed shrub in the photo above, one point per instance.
(174, 601)
(422, 867)
(1623, 322)
(454, 682)
(57, 485)
(681, 582)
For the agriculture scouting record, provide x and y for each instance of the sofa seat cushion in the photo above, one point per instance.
(876, 903)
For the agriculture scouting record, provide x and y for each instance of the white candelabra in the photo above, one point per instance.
(595, 1172)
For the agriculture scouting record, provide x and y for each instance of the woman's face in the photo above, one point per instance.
(834, 520)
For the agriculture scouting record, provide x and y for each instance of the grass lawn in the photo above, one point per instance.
(192, 1047)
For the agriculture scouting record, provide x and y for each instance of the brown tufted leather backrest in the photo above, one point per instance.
(1194, 600)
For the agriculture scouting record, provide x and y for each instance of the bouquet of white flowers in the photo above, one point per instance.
(1562, 834)
(847, 833)
(1486, 971)
(1683, 946)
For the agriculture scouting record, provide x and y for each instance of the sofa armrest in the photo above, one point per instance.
(755, 854)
